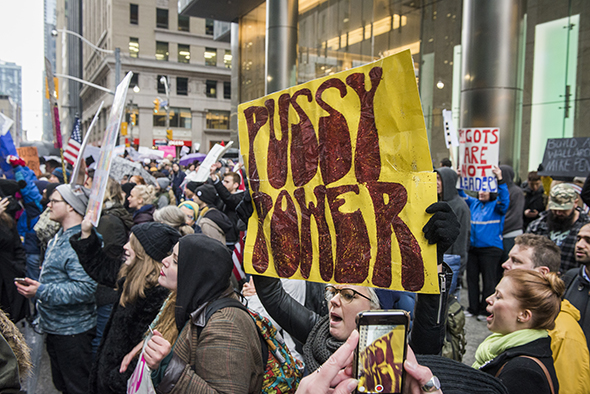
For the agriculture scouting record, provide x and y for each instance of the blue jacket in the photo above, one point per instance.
(65, 298)
(487, 218)
(33, 208)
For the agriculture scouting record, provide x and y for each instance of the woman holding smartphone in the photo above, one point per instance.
(518, 352)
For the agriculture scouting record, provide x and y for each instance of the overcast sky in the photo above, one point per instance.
(21, 42)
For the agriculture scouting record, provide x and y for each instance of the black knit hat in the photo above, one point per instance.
(157, 239)
(207, 194)
(192, 186)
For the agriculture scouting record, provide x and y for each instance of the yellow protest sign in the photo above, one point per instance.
(340, 175)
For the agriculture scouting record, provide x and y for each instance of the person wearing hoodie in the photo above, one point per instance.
(213, 222)
(447, 191)
(514, 219)
(487, 224)
(534, 199)
(229, 356)
(568, 343)
(164, 197)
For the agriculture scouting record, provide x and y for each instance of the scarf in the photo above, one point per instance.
(496, 344)
(319, 345)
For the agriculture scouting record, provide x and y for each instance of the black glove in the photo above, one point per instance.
(442, 229)
(245, 208)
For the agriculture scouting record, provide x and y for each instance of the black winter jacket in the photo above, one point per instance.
(522, 375)
(428, 329)
(533, 200)
(578, 293)
(126, 325)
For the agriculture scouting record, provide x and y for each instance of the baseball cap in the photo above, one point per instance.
(562, 197)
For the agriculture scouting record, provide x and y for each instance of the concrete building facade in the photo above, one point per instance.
(155, 42)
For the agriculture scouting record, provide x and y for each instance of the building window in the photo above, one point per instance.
(161, 87)
(134, 14)
(133, 47)
(218, 120)
(184, 23)
(161, 18)
(134, 80)
(227, 59)
(162, 51)
(182, 86)
(227, 90)
(211, 89)
(209, 27)
(184, 53)
(179, 118)
(210, 57)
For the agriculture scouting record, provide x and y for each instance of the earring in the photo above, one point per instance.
(518, 319)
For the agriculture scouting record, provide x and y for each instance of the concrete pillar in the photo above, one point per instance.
(489, 89)
(281, 44)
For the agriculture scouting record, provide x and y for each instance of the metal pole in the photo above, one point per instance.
(281, 44)
(117, 66)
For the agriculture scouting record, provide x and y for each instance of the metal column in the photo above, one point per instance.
(281, 44)
(489, 89)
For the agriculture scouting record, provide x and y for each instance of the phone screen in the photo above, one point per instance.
(380, 358)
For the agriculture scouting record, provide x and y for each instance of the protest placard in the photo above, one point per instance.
(101, 174)
(77, 173)
(213, 156)
(31, 156)
(168, 150)
(479, 149)
(567, 157)
(340, 175)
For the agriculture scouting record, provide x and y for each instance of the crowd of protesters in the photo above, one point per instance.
(167, 246)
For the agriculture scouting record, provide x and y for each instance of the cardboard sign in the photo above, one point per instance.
(568, 157)
(479, 150)
(340, 175)
(31, 156)
(103, 166)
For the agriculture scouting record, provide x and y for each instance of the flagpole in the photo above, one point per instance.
(55, 117)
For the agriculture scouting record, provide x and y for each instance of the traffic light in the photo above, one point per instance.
(133, 119)
(156, 106)
(123, 128)
(169, 134)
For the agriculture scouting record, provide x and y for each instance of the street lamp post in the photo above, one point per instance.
(164, 80)
(116, 52)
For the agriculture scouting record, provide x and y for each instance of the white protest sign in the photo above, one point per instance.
(101, 175)
(479, 150)
(450, 131)
(214, 154)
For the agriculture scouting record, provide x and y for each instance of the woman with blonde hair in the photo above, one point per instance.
(135, 274)
(522, 309)
(141, 199)
(173, 217)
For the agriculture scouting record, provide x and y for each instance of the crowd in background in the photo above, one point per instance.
(141, 285)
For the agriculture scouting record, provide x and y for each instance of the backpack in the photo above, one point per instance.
(454, 342)
(282, 371)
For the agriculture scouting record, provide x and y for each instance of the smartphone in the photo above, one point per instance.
(381, 351)
(20, 280)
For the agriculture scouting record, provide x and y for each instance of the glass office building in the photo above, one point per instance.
(524, 61)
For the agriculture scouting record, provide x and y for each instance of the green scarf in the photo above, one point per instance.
(496, 344)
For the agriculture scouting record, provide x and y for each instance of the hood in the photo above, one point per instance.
(204, 269)
(507, 174)
(449, 182)
(567, 307)
(118, 210)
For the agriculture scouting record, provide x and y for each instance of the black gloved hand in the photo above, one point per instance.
(245, 208)
(443, 227)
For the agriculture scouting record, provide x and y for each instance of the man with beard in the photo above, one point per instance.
(577, 281)
(561, 223)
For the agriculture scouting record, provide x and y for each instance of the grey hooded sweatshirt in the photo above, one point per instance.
(514, 216)
(459, 206)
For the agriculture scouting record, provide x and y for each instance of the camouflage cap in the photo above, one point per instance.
(562, 197)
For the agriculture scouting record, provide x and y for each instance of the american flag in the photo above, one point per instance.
(73, 148)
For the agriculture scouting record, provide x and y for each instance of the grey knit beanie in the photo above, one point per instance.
(76, 196)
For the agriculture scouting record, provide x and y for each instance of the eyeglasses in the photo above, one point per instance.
(55, 201)
(345, 294)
